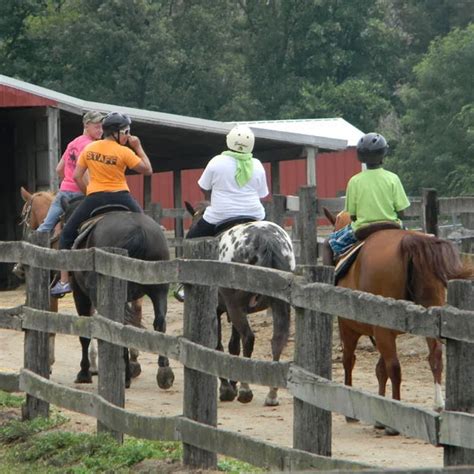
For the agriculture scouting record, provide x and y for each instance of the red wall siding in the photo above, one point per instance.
(10, 97)
(333, 171)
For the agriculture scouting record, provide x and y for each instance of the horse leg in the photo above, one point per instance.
(137, 310)
(435, 358)
(281, 330)
(382, 377)
(227, 389)
(93, 355)
(128, 374)
(349, 339)
(386, 344)
(159, 298)
(83, 308)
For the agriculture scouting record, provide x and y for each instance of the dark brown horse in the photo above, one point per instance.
(143, 239)
(260, 243)
(404, 265)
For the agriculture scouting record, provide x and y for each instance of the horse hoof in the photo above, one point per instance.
(351, 420)
(391, 432)
(135, 369)
(245, 396)
(227, 394)
(128, 383)
(83, 377)
(165, 378)
(271, 402)
(379, 426)
(94, 372)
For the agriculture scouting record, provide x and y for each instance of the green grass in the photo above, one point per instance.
(40, 446)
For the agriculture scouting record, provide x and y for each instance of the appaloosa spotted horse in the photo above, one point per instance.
(264, 244)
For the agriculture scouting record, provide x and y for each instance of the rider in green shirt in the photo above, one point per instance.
(373, 195)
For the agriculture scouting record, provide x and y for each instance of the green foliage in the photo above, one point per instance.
(9, 400)
(437, 149)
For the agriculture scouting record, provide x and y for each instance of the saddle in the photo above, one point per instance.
(233, 221)
(95, 216)
(347, 258)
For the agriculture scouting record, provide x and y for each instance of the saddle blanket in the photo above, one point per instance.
(346, 260)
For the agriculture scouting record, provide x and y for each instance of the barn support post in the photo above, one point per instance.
(36, 346)
(178, 203)
(53, 146)
(200, 326)
(429, 211)
(459, 372)
(276, 209)
(275, 176)
(307, 231)
(111, 299)
(147, 180)
(311, 156)
(312, 426)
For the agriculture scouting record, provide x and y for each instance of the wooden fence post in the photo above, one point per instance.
(312, 426)
(111, 299)
(459, 372)
(429, 211)
(36, 347)
(200, 326)
(307, 231)
(276, 209)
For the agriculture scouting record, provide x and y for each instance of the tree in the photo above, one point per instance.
(437, 149)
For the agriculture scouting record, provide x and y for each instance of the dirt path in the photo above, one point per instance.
(357, 442)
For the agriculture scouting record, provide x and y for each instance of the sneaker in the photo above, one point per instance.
(179, 293)
(60, 289)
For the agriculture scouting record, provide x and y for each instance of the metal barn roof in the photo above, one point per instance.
(336, 128)
(173, 142)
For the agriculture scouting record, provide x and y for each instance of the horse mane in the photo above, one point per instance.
(436, 256)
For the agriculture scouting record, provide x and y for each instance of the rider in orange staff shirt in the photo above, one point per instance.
(107, 160)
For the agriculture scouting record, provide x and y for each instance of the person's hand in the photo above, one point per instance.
(134, 142)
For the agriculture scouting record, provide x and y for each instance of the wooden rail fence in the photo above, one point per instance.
(308, 378)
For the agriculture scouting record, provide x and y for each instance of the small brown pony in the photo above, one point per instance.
(400, 264)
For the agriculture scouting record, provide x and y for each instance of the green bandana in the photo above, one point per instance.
(244, 166)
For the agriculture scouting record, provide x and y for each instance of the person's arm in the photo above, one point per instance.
(60, 168)
(144, 167)
(401, 214)
(79, 178)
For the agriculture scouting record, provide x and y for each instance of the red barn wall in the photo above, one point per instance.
(333, 171)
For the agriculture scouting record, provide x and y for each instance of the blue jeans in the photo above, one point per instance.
(342, 240)
(55, 210)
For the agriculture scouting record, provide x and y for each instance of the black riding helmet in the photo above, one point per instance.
(114, 122)
(371, 148)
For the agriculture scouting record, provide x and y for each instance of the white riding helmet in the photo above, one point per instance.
(241, 139)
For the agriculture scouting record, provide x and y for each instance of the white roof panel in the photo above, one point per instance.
(334, 128)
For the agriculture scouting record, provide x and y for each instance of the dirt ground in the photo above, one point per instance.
(357, 442)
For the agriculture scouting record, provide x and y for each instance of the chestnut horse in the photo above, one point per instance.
(260, 243)
(400, 264)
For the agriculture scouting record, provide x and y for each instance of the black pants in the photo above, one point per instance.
(83, 211)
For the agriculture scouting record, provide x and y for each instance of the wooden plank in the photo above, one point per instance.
(311, 155)
(276, 209)
(457, 429)
(62, 323)
(10, 381)
(111, 298)
(200, 327)
(11, 252)
(212, 362)
(456, 205)
(178, 202)
(408, 419)
(147, 192)
(457, 324)
(259, 453)
(36, 345)
(275, 177)
(141, 339)
(459, 372)
(367, 308)
(53, 145)
(307, 225)
(90, 404)
(11, 318)
(312, 426)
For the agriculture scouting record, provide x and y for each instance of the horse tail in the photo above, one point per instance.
(270, 254)
(433, 255)
(134, 241)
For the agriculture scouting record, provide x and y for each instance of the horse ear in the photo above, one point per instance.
(25, 195)
(189, 208)
(329, 215)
